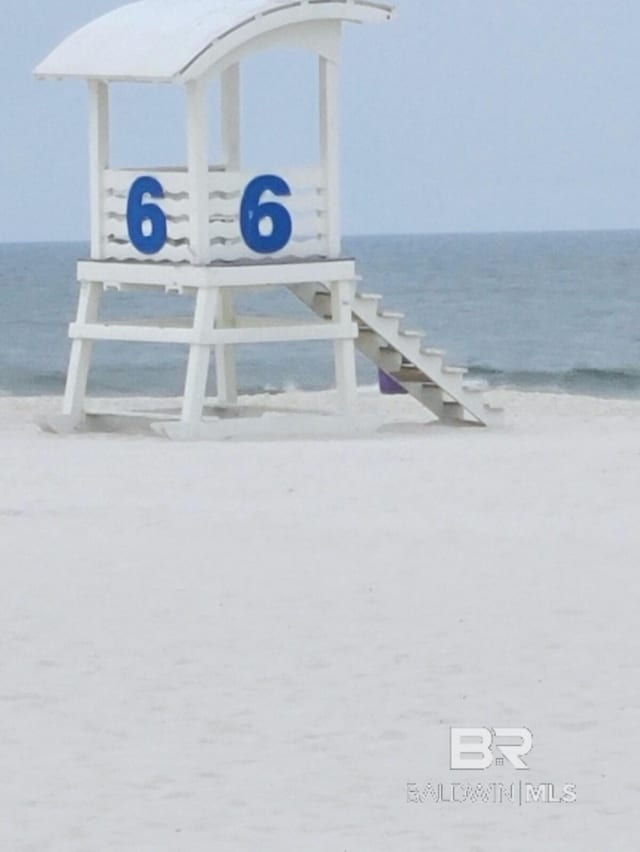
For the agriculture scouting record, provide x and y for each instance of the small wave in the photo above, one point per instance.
(587, 380)
(25, 382)
(166, 378)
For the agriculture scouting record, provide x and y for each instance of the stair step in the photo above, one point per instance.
(452, 410)
(408, 374)
(439, 388)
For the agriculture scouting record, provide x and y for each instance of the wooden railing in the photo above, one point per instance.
(306, 206)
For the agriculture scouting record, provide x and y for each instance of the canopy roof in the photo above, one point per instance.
(166, 40)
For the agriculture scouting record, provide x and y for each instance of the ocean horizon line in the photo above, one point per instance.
(394, 234)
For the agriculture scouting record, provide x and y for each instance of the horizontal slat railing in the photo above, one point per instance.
(306, 206)
(117, 244)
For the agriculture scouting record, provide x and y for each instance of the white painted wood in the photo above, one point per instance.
(235, 253)
(216, 196)
(246, 275)
(176, 209)
(284, 334)
(188, 37)
(195, 337)
(230, 117)
(129, 333)
(318, 36)
(220, 183)
(98, 160)
(228, 210)
(199, 357)
(302, 205)
(116, 230)
(330, 151)
(420, 371)
(225, 356)
(81, 349)
(344, 350)
(174, 180)
(198, 170)
(173, 254)
(294, 13)
(300, 179)
(225, 253)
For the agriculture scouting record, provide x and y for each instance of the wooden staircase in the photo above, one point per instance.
(401, 353)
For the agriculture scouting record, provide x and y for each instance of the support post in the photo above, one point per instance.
(226, 371)
(344, 350)
(330, 150)
(230, 117)
(90, 291)
(98, 161)
(206, 300)
(198, 169)
(81, 350)
(199, 356)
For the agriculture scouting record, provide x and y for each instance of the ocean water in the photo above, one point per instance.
(552, 311)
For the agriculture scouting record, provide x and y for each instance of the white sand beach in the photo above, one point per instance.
(258, 645)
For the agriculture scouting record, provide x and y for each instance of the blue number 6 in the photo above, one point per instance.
(139, 212)
(253, 211)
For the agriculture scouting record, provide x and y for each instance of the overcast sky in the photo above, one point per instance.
(463, 115)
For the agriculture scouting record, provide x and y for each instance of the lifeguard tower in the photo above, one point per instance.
(211, 230)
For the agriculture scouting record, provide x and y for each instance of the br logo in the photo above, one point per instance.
(481, 748)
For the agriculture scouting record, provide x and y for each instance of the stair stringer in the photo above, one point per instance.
(401, 354)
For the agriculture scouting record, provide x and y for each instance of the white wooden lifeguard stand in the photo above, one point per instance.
(210, 229)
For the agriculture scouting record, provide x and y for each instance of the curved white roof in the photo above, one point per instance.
(159, 40)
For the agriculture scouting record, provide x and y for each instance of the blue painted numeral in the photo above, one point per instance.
(254, 211)
(139, 212)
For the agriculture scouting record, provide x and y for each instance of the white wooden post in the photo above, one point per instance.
(330, 149)
(90, 292)
(206, 300)
(81, 350)
(98, 161)
(230, 116)
(226, 372)
(198, 169)
(341, 291)
(344, 350)
(199, 355)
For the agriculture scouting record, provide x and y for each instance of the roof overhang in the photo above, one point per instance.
(174, 41)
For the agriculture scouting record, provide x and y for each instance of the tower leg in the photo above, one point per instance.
(81, 350)
(199, 357)
(226, 374)
(344, 350)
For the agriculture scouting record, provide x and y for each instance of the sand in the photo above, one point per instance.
(258, 645)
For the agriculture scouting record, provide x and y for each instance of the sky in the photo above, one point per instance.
(460, 116)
